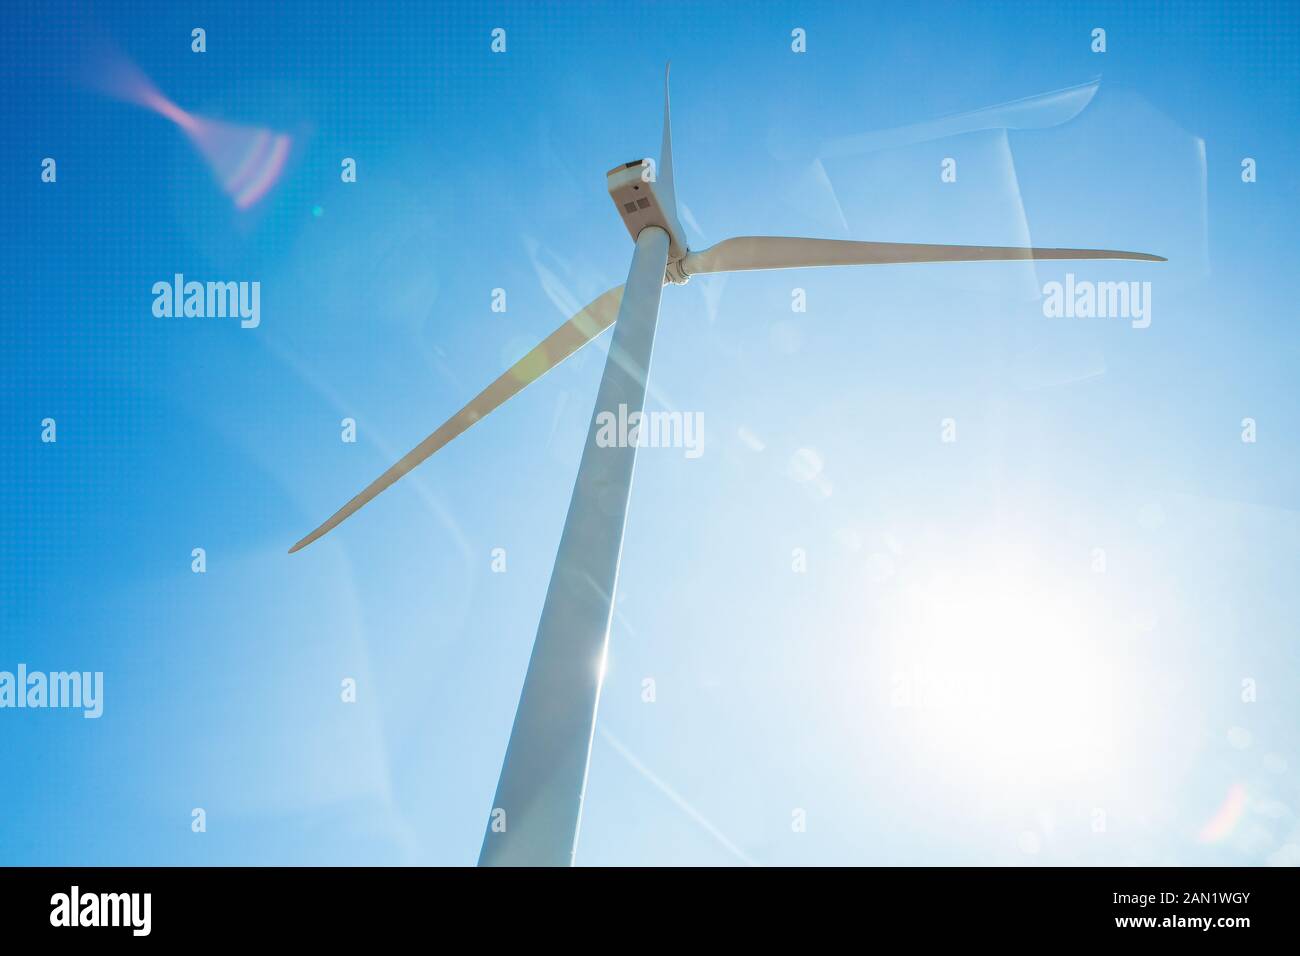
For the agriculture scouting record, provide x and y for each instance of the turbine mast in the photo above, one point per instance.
(538, 805)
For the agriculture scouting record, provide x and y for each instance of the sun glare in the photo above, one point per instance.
(1013, 677)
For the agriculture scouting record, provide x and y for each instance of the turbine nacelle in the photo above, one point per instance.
(634, 188)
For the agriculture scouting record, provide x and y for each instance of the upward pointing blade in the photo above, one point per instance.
(666, 191)
(553, 350)
(782, 252)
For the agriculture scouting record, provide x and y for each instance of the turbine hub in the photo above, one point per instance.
(633, 188)
(675, 273)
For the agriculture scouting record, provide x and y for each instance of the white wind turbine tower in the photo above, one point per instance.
(544, 774)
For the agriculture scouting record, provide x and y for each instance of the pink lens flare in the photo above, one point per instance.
(1226, 818)
(247, 161)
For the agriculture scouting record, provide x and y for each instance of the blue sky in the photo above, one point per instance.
(950, 680)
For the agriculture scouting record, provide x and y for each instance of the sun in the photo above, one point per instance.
(1010, 674)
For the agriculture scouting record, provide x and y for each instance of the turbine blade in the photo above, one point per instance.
(667, 193)
(779, 252)
(553, 350)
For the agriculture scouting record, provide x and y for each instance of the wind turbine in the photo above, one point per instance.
(538, 804)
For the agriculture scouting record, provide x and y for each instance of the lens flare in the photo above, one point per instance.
(247, 161)
(1226, 818)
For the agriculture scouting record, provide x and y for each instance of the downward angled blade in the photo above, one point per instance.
(553, 350)
(780, 252)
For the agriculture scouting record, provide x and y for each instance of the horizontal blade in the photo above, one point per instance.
(553, 350)
(780, 252)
